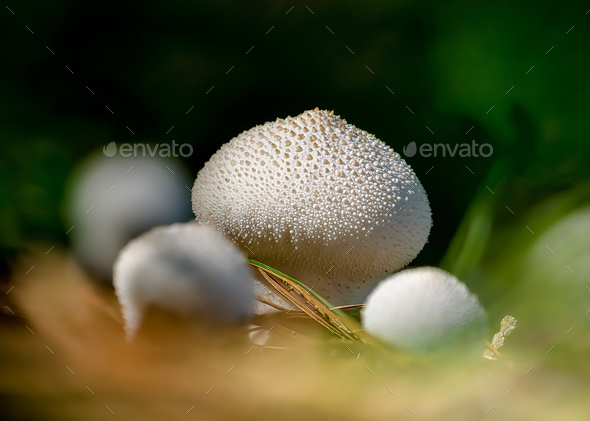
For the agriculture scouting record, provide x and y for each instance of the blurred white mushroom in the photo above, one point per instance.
(188, 268)
(317, 199)
(112, 200)
(423, 308)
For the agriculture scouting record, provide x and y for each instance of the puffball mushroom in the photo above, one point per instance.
(188, 268)
(422, 308)
(112, 200)
(317, 199)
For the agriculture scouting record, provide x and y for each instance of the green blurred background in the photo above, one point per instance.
(449, 62)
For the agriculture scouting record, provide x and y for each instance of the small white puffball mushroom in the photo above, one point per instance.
(423, 308)
(188, 268)
(109, 201)
(317, 199)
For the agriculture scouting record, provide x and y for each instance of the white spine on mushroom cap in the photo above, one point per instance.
(421, 308)
(318, 199)
(187, 268)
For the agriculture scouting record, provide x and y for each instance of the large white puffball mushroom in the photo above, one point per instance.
(112, 200)
(188, 268)
(423, 308)
(317, 199)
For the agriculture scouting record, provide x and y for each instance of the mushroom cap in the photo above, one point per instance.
(187, 268)
(318, 199)
(422, 308)
(112, 200)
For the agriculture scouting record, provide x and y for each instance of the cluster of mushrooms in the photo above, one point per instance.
(314, 198)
